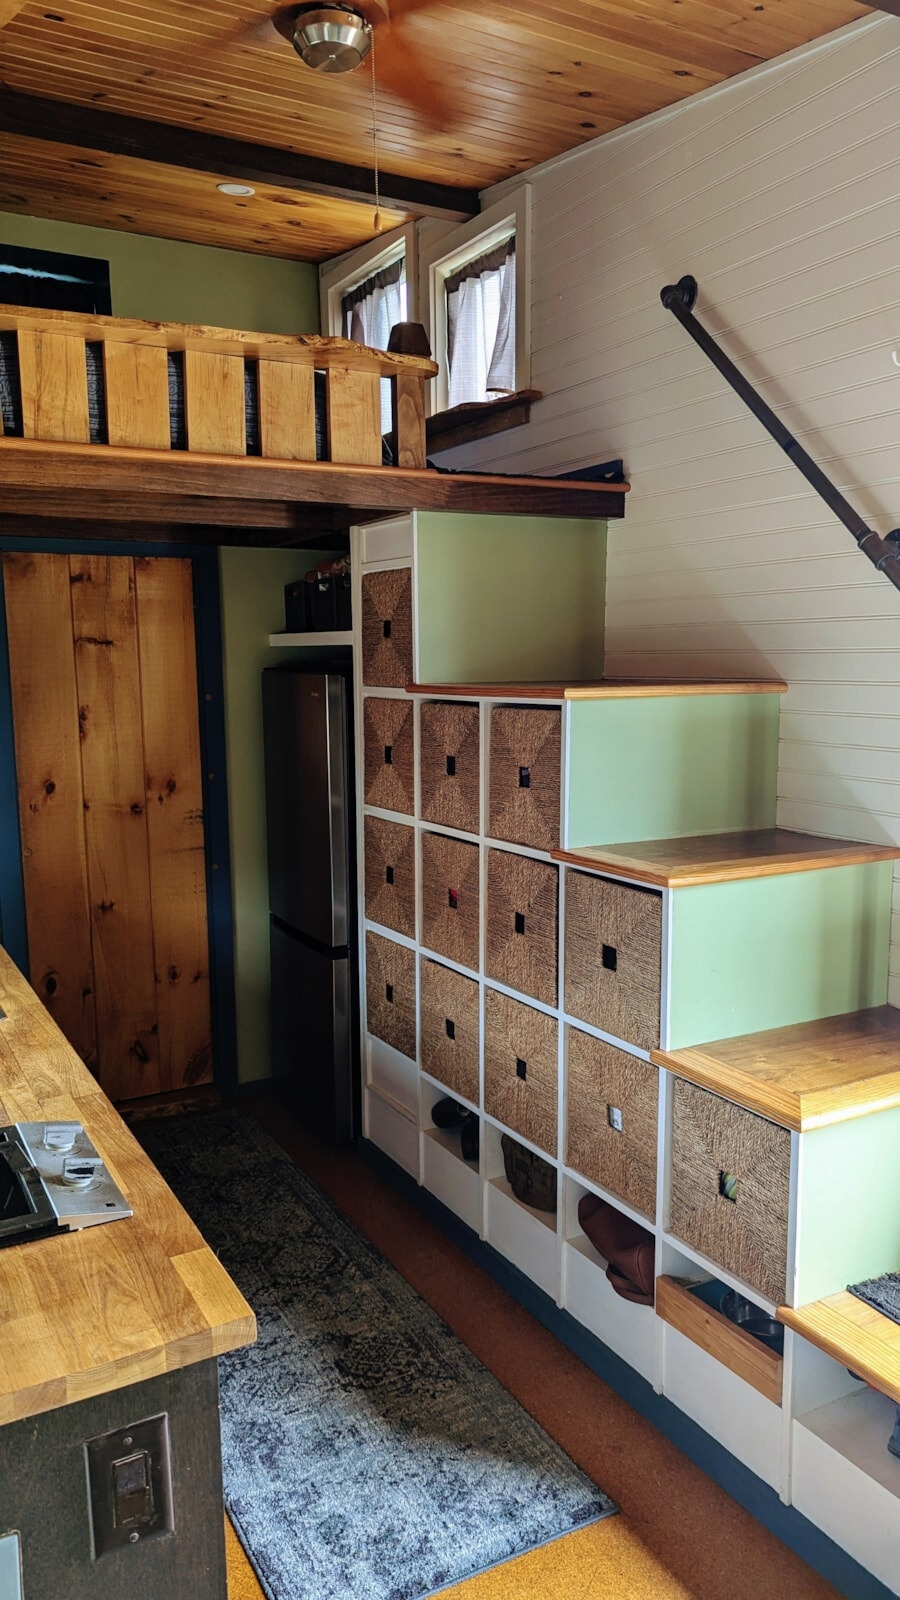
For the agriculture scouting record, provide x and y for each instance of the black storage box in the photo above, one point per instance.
(296, 606)
(322, 611)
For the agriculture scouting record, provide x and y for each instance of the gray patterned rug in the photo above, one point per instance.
(368, 1455)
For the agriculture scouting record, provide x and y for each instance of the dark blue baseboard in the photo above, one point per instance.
(787, 1524)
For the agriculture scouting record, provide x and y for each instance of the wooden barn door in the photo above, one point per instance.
(104, 692)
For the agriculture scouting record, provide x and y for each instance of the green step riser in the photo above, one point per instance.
(671, 766)
(767, 952)
(849, 1204)
(509, 599)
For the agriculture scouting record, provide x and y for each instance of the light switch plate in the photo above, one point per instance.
(10, 1567)
(130, 1483)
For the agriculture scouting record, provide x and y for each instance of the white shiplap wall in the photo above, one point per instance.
(780, 192)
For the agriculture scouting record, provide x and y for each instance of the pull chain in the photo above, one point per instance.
(378, 223)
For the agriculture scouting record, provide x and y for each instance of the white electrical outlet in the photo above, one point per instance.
(10, 1567)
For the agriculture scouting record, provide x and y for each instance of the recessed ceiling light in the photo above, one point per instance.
(235, 188)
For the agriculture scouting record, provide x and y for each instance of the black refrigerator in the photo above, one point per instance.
(312, 894)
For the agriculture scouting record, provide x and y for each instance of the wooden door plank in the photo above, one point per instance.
(51, 809)
(174, 798)
(53, 378)
(287, 411)
(354, 417)
(115, 823)
(137, 394)
(214, 398)
(408, 391)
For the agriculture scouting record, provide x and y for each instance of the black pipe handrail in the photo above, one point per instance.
(679, 298)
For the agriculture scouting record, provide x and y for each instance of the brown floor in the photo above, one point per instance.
(678, 1537)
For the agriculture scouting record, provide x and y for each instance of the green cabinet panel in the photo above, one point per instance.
(670, 766)
(848, 1205)
(766, 952)
(509, 599)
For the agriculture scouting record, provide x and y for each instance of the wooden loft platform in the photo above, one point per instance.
(723, 857)
(805, 1076)
(227, 437)
(242, 500)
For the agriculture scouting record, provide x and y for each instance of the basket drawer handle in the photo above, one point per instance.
(386, 628)
(610, 957)
(519, 922)
(389, 755)
(450, 1028)
(451, 766)
(521, 1068)
(524, 777)
(729, 1186)
(389, 993)
(388, 874)
(453, 899)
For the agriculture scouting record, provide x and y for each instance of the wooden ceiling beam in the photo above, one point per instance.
(58, 122)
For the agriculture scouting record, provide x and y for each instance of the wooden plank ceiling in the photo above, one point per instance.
(535, 78)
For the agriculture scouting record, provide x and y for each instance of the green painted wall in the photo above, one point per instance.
(767, 952)
(503, 599)
(670, 767)
(167, 281)
(252, 608)
(849, 1204)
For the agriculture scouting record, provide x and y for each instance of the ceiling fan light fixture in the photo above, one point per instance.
(331, 38)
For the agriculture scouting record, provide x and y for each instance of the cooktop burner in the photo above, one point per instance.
(52, 1180)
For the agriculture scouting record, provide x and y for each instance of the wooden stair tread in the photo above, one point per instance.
(855, 1334)
(722, 857)
(605, 689)
(806, 1075)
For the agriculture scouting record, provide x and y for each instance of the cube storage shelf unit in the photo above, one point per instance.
(546, 982)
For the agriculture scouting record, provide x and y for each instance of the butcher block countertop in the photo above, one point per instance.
(84, 1313)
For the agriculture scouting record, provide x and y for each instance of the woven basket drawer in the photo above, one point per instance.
(450, 765)
(522, 924)
(387, 642)
(525, 776)
(391, 875)
(391, 993)
(450, 909)
(521, 1069)
(721, 1150)
(389, 761)
(613, 957)
(449, 1028)
(601, 1081)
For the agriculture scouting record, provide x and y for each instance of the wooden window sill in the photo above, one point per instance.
(478, 420)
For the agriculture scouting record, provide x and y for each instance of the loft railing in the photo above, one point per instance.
(76, 379)
(679, 298)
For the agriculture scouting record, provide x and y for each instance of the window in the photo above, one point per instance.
(370, 309)
(481, 326)
(52, 281)
(363, 293)
(479, 304)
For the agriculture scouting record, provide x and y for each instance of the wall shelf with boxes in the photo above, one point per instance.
(563, 992)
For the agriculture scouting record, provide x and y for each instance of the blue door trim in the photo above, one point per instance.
(211, 697)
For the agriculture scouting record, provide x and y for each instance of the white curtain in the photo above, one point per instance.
(481, 327)
(368, 314)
